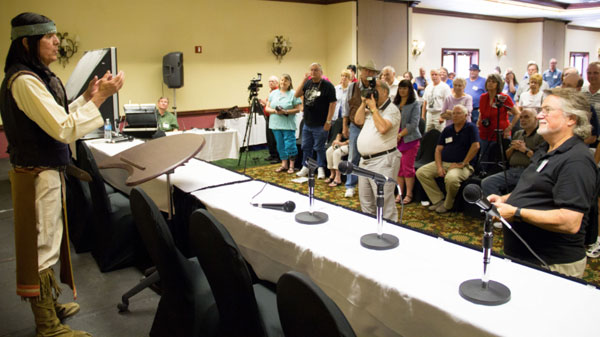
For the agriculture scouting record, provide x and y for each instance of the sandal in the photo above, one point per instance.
(281, 169)
(408, 199)
(335, 184)
(398, 198)
(328, 180)
(290, 170)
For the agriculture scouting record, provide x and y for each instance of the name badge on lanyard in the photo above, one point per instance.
(542, 165)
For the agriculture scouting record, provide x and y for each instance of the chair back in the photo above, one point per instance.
(305, 310)
(227, 274)
(426, 153)
(335, 129)
(186, 296)
(97, 189)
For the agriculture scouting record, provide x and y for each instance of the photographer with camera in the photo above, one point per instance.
(380, 121)
(494, 107)
(319, 105)
(350, 129)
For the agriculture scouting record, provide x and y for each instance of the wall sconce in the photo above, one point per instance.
(417, 47)
(500, 49)
(67, 48)
(280, 47)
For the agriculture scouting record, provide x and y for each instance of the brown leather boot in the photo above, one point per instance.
(46, 322)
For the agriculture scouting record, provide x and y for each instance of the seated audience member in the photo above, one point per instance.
(511, 84)
(283, 107)
(488, 116)
(523, 146)
(532, 98)
(408, 138)
(457, 146)
(433, 99)
(380, 120)
(458, 96)
(548, 205)
(334, 154)
(166, 120)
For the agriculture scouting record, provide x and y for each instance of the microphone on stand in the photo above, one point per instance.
(288, 206)
(474, 195)
(347, 167)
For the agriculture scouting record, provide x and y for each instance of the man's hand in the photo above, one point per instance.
(345, 131)
(506, 211)
(370, 101)
(91, 89)
(108, 85)
(494, 198)
(456, 165)
(519, 145)
(441, 172)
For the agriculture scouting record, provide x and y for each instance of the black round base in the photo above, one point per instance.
(374, 241)
(473, 291)
(313, 218)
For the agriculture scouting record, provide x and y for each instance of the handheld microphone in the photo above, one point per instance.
(473, 195)
(288, 206)
(347, 167)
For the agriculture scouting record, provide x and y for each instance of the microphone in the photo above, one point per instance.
(288, 206)
(347, 167)
(473, 195)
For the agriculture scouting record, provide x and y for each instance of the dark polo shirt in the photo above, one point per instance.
(563, 178)
(457, 144)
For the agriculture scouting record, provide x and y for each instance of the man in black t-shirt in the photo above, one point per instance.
(548, 205)
(319, 105)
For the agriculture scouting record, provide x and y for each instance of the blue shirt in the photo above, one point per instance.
(475, 89)
(450, 83)
(554, 78)
(457, 144)
(511, 94)
(285, 100)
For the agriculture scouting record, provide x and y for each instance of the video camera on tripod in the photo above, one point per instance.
(254, 86)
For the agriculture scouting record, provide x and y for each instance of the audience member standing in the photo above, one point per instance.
(319, 106)
(283, 107)
(475, 88)
(388, 74)
(351, 130)
(548, 205)
(553, 76)
(408, 137)
(273, 157)
(592, 90)
(533, 97)
(433, 99)
(490, 116)
(376, 143)
(458, 97)
(511, 84)
(457, 146)
(341, 94)
(352, 68)
(444, 77)
(421, 82)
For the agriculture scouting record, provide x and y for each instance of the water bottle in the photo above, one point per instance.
(107, 130)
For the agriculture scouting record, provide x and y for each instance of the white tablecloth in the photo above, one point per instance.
(257, 132)
(194, 175)
(411, 290)
(219, 144)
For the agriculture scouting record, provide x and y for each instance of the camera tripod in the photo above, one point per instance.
(255, 109)
(499, 141)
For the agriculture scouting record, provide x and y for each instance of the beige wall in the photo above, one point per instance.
(553, 43)
(582, 41)
(528, 47)
(235, 36)
(383, 33)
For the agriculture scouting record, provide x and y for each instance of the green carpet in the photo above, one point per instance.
(454, 226)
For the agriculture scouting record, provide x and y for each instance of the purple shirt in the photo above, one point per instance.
(451, 101)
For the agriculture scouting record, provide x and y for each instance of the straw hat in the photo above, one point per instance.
(370, 65)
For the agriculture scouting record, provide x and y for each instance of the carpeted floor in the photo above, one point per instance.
(453, 226)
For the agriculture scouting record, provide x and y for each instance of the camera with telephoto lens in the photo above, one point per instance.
(370, 89)
(485, 122)
(254, 86)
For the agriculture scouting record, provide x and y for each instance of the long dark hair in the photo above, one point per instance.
(411, 92)
(17, 52)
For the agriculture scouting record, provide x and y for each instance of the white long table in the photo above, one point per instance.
(411, 290)
(218, 144)
(194, 175)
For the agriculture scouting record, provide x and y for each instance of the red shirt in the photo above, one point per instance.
(491, 112)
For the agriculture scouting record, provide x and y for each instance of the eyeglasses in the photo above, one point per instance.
(545, 111)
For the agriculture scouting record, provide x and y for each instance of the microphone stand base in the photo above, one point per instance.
(474, 291)
(376, 242)
(314, 218)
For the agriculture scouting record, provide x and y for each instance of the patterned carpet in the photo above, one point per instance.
(452, 226)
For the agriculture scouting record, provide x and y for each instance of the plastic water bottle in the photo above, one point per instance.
(107, 130)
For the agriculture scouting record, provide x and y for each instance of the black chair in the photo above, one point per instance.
(422, 125)
(425, 155)
(187, 307)
(79, 208)
(305, 310)
(117, 242)
(245, 309)
(298, 161)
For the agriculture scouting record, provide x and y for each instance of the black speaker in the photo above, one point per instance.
(173, 69)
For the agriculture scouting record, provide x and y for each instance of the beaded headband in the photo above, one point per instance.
(31, 30)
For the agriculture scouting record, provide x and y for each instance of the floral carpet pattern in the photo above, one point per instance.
(453, 226)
